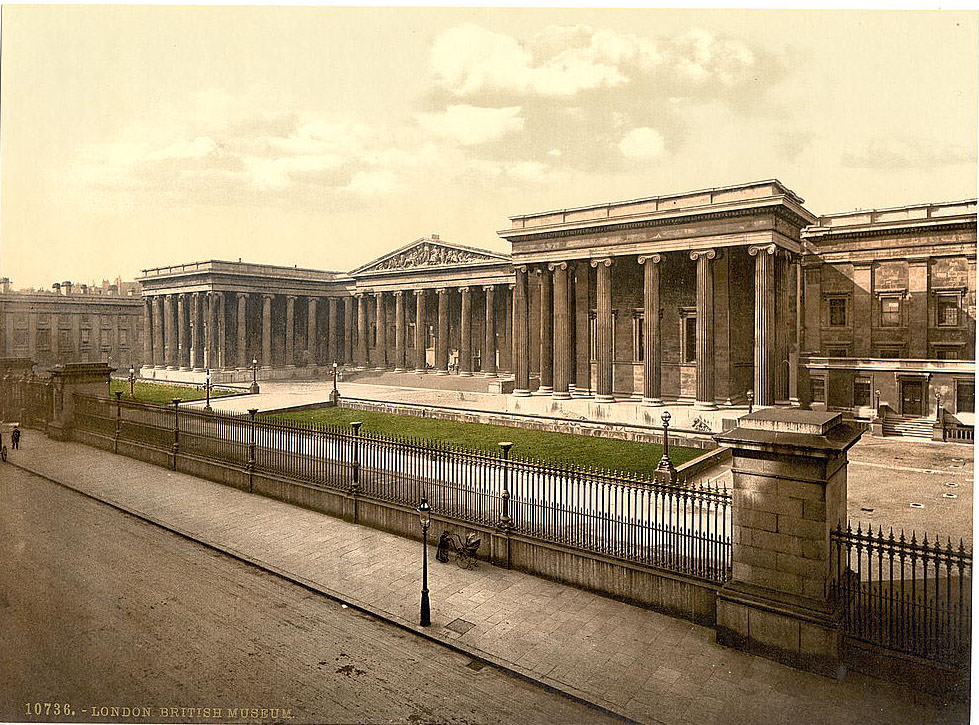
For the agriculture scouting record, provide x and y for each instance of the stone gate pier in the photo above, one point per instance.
(789, 472)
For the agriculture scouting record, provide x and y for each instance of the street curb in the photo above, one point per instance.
(473, 652)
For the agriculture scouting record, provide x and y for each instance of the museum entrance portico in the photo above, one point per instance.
(689, 297)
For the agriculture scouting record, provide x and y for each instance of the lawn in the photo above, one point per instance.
(160, 393)
(562, 448)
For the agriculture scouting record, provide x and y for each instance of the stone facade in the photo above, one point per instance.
(72, 324)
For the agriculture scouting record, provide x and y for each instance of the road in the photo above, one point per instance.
(99, 609)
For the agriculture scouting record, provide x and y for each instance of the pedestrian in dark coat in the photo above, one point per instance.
(15, 437)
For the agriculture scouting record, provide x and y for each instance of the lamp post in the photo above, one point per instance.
(356, 484)
(335, 393)
(938, 406)
(665, 470)
(132, 381)
(876, 402)
(505, 520)
(425, 516)
(207, 390)
(254, 388)
(750, 395)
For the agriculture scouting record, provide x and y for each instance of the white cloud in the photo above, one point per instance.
(471, 125)
(371, 183)
(183, 149)
(565, 60)
(642, 144)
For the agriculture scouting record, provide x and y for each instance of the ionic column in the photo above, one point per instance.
(380, 323)
(442, 333)
(169, 340)
(311, 332)
(242, 331)
(334, 337)
(652, 352)
(220, 331)
(521, 334)
(764, 380)
(546, 332)
(183, 355)
(506, 331)
(159, 321)
(348, 329)
(207, 302)
(420, 340)
(705, 328)
(147, 331)
(195, 332)
(489, 341)
(582, 310)
(562, 330)
(783, 313)
(266, 361)
(399, 331)
(465, 333)
(603, 330)
(361, 359)
(290, 331)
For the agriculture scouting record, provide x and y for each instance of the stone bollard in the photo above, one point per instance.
(71, 378)
(789, 469)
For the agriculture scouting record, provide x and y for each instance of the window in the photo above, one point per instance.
(947, 353)
(638, 337)
(64, 340)
(593, 334)
(123, 337)
(965, 396)
(890, 353)
(106, 338)
(948, 310)
(44, 339)
(837, 352)
(86, 337)
(20, 336)
(431, 336)
(890, 311)
(817, 386)
(861, 393)
(837, 311)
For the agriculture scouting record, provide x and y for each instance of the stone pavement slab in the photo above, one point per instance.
(635, 662)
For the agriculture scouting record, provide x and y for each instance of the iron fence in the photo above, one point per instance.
(636, 518)
(27, 400)
(906, 594)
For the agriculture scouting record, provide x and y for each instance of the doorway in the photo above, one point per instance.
(911, 398)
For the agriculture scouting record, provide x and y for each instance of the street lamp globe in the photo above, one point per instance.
(424, 513)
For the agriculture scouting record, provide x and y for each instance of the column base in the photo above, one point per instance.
(264, 367)
(490, 375)
(604, 398)
(198, 369)
(159, 367)
(544, 390)
(171, 367)
(399, 370)
(419, 371)
(581, 394)
(290, 367)
(465, 374)
(561, 395)
(703, 405)
(441, 372)
(652, 401)
(185, 368)
(795, 631)
(521, 393)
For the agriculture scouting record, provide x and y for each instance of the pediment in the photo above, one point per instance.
(428, 253)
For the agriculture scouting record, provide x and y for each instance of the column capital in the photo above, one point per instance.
(604, 262)
(359, 295)
(696, 254)
(291, 298)
(420, 292)
(489, 287)
(464, 288)
(441, 290)
(378, 294)
(241, 295)
(399, 293)
(755, 249)
(654, 258)
(268, 295)
(521, 268)
(557, 265)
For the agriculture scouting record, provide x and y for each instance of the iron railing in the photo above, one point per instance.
(905, 594)
(636, 518)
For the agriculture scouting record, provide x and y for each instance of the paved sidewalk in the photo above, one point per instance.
(640, 664)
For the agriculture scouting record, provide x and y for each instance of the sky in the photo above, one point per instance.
(133, 137)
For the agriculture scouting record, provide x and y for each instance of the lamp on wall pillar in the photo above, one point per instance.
(132, 381)
(254, 388)
(750, 395)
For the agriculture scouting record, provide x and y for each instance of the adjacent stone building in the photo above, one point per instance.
(72, 323)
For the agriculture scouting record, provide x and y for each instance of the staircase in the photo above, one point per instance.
(899, 425)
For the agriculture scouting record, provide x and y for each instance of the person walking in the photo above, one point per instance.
(15, 437)
(3, 449)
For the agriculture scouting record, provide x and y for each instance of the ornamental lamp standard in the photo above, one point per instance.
(938, 405)
(750, 395)
(425, 516)
(665, 471)
(336, 368)
(132, 381)
(254, 388)
(877, 399)
(207, 390)
(505, 520)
